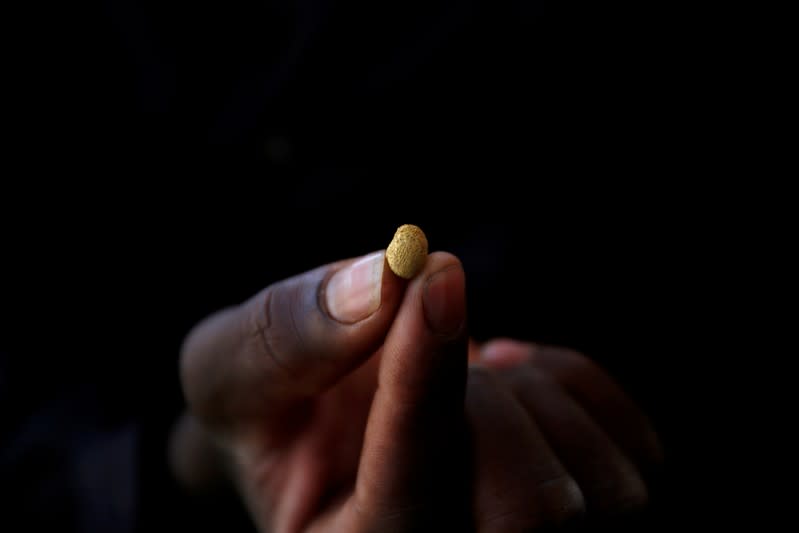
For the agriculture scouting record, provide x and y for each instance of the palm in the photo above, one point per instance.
(316, 467)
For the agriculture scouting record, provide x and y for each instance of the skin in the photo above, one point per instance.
(398, 422)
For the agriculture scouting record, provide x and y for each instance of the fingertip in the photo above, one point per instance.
(503, 353)
(444, 297)
(440, 260)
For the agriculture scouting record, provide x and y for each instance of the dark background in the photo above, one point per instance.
(177, 157)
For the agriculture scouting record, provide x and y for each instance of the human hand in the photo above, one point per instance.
(569, 443)
(341, 407)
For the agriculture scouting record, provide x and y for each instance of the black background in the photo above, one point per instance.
(176, 157)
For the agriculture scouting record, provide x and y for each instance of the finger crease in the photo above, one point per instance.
(265, 339)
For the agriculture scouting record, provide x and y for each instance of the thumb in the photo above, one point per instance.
(289, 342)
(414, 436)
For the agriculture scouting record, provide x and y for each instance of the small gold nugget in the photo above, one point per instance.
(407, 252)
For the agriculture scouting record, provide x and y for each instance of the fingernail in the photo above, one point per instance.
(353, 293)
(444, 301)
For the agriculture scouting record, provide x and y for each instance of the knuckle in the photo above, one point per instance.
(196, 356)
(566, 366)
(625, 495)
(281, 328)
(564, 501)
(553, 503)
(533, 377)
(577, 362)
(266, 340)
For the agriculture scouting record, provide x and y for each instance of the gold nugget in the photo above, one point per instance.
(407, 252)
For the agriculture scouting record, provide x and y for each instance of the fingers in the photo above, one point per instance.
(292, 340)
(595, 391)
(520, 484)
(194, 460)
(414, 438)
(609, 481)
(604, 400)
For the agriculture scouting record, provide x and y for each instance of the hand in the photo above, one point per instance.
(343, 402)
(553, 436)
